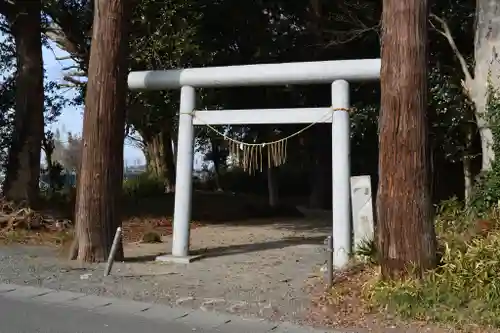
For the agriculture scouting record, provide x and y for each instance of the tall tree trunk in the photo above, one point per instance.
(318, 189)
(216, 160)
(321, 156)
(48, 148)
(23, 168)
(154, 161)
(406, 231)
(160, 157)
(170, 162)
(486, 70)
(467, 166)
(486, 46)
(174, 148)
(101, 176)
(272, 185)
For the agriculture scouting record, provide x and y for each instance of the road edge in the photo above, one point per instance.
(196, 319)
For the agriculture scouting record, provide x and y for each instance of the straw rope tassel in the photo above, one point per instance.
(250, 155)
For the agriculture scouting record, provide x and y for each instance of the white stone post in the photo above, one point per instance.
(362, 210)
(341, 172)
(184, 174)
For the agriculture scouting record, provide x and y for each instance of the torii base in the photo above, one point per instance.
(168, 258)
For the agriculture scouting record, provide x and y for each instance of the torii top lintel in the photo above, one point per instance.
(257, 75)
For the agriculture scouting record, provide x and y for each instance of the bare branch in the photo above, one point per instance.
(5, 28)
(8, 9)
(74, 67)
(447, 34)
(67, 85)
(78, 73)
(6, 84)
(55, 34)
(344, 37)
(134, 140)
(347, 16)
(72, 80)
(352, 18)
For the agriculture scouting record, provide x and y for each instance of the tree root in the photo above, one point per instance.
(18, 216)
(73, 250)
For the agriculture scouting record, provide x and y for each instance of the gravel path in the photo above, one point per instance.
(255, 271)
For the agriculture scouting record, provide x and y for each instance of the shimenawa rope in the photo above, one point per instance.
(250, 155)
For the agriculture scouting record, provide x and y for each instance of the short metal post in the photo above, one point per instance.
(330, 261)
(112, 253)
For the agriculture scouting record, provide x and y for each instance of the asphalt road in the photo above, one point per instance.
(24, 316)
(27, 309)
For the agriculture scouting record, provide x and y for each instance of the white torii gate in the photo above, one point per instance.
(338, 73)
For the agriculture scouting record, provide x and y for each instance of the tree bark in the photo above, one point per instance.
(321, 166)
(169, 161)
(467, 166)
(174, 148)
(486, 68)
(23, 168)
(406, 235)
(216, 160)
(160, 158)
(486, 46)
(48, 148)
(101, 175)
(321, 158)
(272, 185)
(318, 189)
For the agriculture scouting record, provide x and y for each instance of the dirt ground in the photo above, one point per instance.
(263, 270)
(258, 270)
(265, 267)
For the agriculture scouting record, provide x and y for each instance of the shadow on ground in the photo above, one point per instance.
(225, 208)
(222, 251)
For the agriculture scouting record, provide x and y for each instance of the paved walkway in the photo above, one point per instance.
(246, 272)
(31, 309)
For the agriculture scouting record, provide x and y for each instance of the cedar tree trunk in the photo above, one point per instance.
(23, 168)
(406, 233)
(101, 176)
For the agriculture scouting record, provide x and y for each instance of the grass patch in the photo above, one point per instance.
(144, 185)
(31, 237)
(465, 288)
(151, 237)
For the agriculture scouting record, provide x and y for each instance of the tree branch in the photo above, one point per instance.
(57, 35)
(72, 80)
(8, 9)
(132, 140)
(344, 37)
(68, 30)
(446, 32)
(64, 58)
(4, 27)
(76, 73)
(73, 67)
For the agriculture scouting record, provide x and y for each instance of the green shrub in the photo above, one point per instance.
(451, 214)
(367, 251)
(487, 190)
(151, 237)
(465, 287)
(144, 185)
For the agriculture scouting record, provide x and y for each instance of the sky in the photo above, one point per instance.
(71, 119)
